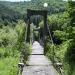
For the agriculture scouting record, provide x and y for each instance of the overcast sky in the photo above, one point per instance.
(24, 0)
(67, 0)
(15, 0)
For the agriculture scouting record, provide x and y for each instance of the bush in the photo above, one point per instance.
(11, 45)
(58, 21)
(61, 35)
(70, 54)
(8, 36)
(9, 68)
(26, 50)
(49, 48)
(21, 30)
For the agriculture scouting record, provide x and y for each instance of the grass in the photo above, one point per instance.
(9, 66)
(12, 41)
(60, 52)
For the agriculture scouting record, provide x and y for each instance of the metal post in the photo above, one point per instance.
(45, 29)
(53, 53)
(28, 30)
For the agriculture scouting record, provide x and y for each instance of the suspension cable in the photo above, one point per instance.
(50, 33)
(26, 32)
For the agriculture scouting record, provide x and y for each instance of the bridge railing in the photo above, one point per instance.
(21, 61)
(56, 63)
(26, 33)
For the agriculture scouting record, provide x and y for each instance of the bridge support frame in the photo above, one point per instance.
(36, 12)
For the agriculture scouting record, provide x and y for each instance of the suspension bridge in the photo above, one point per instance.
(38, 63)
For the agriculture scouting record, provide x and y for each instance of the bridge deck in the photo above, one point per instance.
(38, 63)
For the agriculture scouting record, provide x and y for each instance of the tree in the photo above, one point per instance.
(71, 11)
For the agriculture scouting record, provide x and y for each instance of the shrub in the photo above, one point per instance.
(11, 42)
(21, 30)
(61, 35)
(9, 68)
(70, 54)
(26, 50)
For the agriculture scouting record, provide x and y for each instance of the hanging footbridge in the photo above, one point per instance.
(38, 63)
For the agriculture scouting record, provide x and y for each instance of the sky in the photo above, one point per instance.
(67, 0)
(15, 0)
(23, 0)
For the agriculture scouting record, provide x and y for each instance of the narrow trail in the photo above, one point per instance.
(38, 63)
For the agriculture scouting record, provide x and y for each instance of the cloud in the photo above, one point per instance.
(65, 0)
(15, 0)
(68, 0)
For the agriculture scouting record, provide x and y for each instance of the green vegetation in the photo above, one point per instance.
(63, 33)
(8, 66)
(61, 20)
(12, 41)
(54, 6)
(8, 51)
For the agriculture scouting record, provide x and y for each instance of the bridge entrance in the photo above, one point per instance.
(36, 12)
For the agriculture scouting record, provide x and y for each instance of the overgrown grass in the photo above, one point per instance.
(12, 45)
(63, 53)
(8, 66)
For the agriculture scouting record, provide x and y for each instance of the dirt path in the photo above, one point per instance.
(38, 63)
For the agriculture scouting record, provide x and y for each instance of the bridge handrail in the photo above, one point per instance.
(26, 33)
(50, 33)
(58, 64)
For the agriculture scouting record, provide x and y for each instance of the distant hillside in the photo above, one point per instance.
(8, 16)
(21, 7)
(12, 11)
(7, 12)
